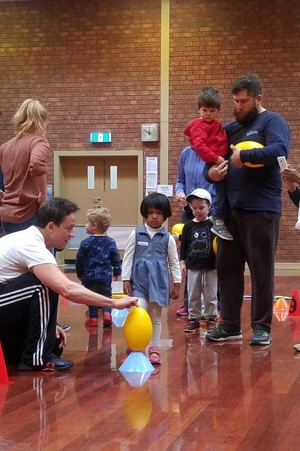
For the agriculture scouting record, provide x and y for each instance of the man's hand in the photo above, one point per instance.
(235, 157)
(290, 178)
(62, 336)
(218, 172)
(180, 197)
(125, 302)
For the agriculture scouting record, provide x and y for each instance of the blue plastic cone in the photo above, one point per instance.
(136, 362)
(119, 316)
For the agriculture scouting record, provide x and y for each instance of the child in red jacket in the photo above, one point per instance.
(209, 140)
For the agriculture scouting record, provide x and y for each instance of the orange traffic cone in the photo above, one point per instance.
(281, 304)
(295, 304)
(281, 309)
(3, 371)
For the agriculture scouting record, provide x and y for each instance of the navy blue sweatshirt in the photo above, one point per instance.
(258, 189)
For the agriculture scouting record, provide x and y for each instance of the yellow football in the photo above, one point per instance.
(249, 145)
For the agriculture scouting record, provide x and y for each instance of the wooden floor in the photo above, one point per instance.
(205, 396)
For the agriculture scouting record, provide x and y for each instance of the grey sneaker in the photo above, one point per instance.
(260, 337)
(193, 327)
(222, 232)
(220, 334)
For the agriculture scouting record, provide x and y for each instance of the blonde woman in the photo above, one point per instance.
(23, 161)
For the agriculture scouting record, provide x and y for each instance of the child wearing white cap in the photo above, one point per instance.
(198, 262)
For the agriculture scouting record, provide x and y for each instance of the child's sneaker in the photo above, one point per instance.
(91, 322)
(221, 231)
(193, 327)
(154, 356)
(182, 311)
(107, 321)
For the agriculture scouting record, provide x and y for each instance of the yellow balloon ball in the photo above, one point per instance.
(137, 329)
(249, 145)
(177, 228)
(214, 245)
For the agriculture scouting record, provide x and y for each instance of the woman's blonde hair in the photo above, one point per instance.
(30, 118)
(99, 216)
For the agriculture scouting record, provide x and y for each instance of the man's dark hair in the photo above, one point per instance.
(248, 82)
(209, 97)
(158, 201)
(54, 210)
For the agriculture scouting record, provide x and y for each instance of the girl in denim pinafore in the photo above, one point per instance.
(150, 256)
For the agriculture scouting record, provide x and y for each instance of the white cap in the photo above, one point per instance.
(200, 193)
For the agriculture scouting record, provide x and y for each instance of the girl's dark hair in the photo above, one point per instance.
(158, 201)
(54, 210)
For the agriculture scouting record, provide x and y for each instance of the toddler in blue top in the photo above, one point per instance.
(98, 262)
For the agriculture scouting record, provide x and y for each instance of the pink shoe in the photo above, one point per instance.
(183, 311)
(107, 321)
(91, 322)
(154, 356)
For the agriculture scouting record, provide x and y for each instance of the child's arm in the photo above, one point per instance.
(183, 268)
(79, 264)
(116, 262)
(197, 131)
(127, 289)
(175, 291)
(174, 268)
(127, 263)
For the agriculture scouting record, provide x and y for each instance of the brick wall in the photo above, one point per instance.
(95, 65)
(213, 42)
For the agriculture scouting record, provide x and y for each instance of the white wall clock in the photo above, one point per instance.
(149, 132)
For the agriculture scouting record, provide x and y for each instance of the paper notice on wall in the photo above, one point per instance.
(167, 190)
(151, 174)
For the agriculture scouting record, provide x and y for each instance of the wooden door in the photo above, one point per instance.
(115, 180)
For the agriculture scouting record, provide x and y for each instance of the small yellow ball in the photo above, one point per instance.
(177, 228)
(214, 245)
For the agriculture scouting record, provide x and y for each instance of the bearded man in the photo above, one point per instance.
(253, 188)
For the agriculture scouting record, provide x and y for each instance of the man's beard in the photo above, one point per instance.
(246, 118)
